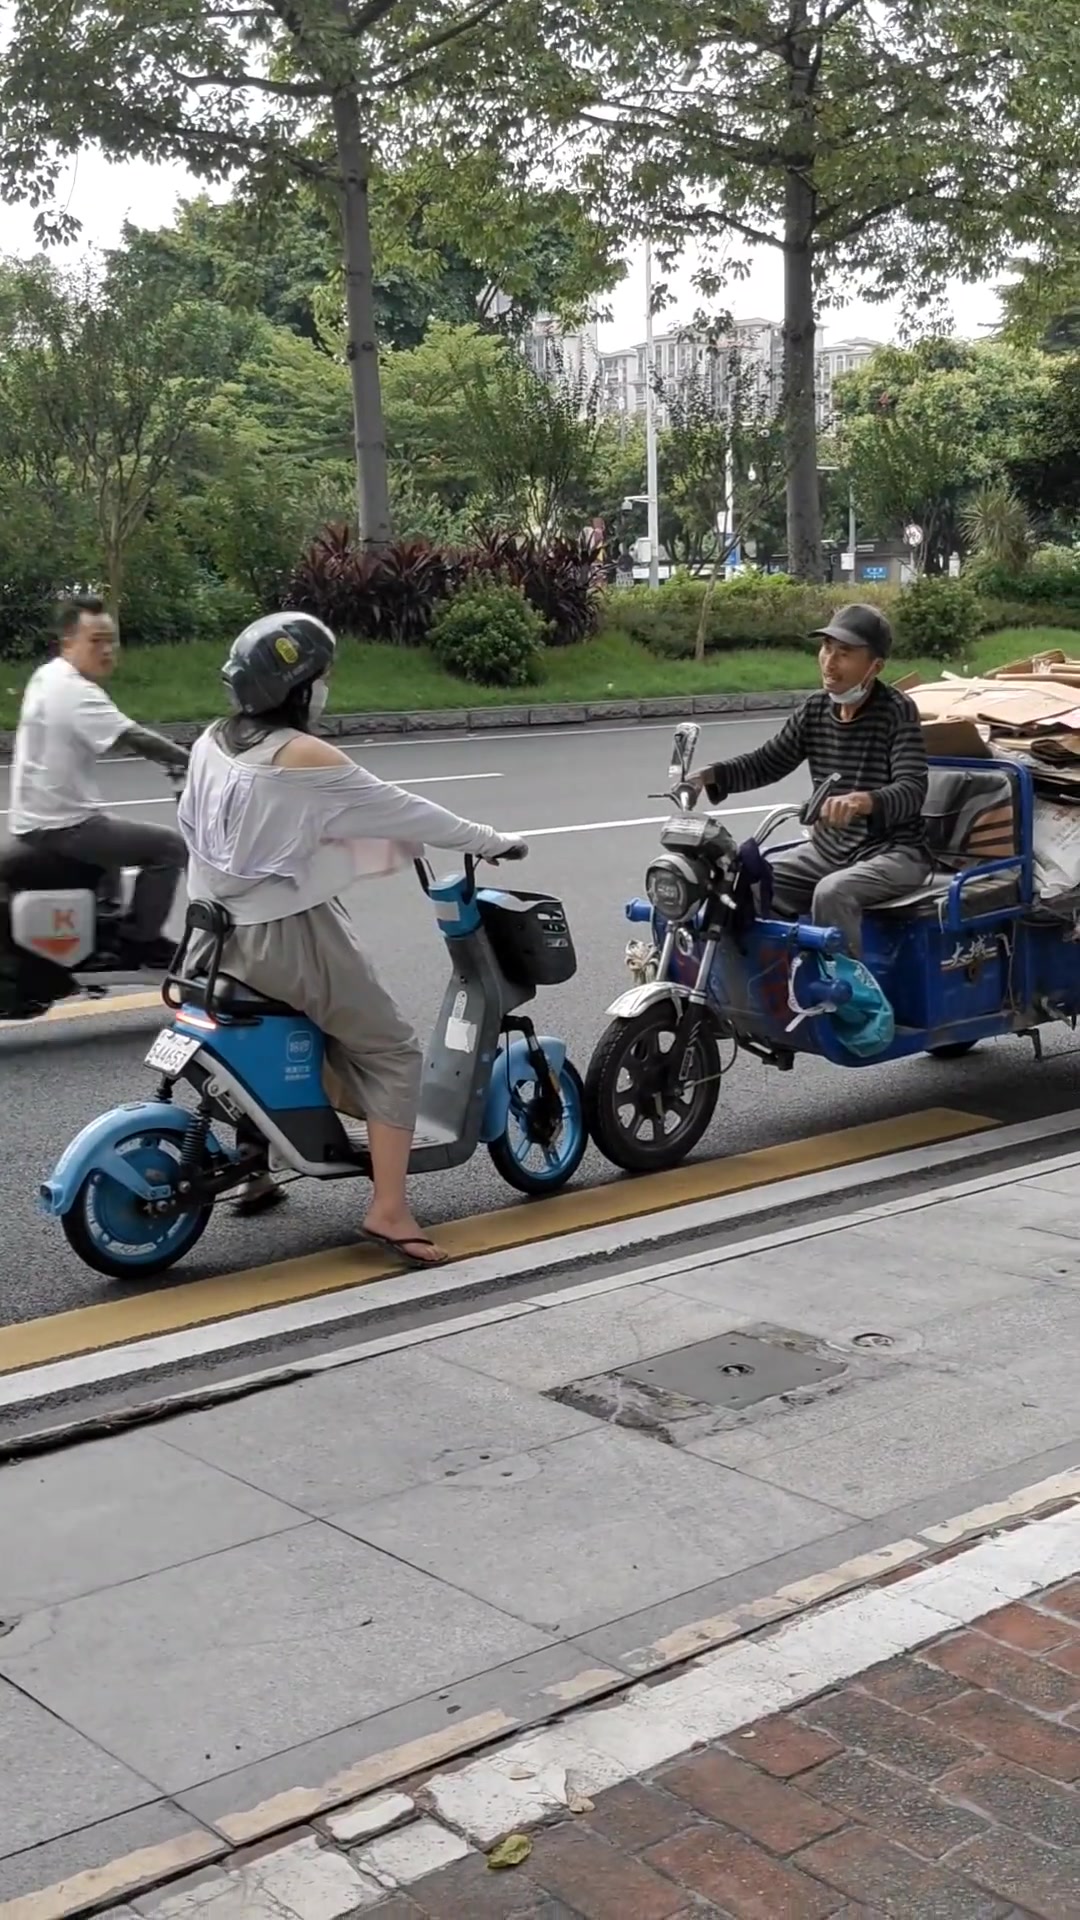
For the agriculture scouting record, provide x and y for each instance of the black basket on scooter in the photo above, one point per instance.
(530, 937)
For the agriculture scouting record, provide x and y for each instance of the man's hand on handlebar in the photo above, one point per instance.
(517, 850)
(845, 808)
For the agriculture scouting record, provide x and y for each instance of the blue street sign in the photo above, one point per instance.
(875, 573)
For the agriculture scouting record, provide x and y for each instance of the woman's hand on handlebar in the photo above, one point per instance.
(514, 850)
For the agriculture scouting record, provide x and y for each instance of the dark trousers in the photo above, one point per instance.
(104, 841)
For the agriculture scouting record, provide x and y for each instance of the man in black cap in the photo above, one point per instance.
(869, 842)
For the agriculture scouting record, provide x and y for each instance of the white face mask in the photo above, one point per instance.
(854, 696)
(320, 694)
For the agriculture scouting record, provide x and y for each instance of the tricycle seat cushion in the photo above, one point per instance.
(997, 892)
(970, 816)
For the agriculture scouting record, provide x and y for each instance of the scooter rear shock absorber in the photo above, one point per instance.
(194, 1145)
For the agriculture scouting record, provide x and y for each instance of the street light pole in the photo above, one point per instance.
(851, 528)
(652, 488)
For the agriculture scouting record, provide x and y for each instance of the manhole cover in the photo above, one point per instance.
(735, 1370)
(873, 1340)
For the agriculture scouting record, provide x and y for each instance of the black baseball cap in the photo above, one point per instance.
(859, 626)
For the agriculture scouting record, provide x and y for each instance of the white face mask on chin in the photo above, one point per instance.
(320, 694)
(855, 696)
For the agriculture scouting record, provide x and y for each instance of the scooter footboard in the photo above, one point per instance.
(511, 1066)
(93, 1150)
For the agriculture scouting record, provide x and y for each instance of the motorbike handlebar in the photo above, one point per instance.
(812, 808)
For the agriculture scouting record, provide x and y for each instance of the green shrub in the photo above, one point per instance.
(1053, 577)
(996, 614)
(752, 610)
(937, 618)
(487, 632)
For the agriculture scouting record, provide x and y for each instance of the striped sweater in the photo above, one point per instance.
(880, 751)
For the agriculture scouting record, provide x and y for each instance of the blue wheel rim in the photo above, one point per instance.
(554, 1162)
(113, 1217)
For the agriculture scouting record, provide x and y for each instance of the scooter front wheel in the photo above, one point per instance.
(530, 1164)
(638, 1120)
(109, 1229)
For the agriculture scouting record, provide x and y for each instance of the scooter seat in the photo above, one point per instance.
(236, 1001)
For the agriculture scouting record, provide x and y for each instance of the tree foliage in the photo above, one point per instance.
(333, 94)
(921, 428)
(880, 149)
(104, 386)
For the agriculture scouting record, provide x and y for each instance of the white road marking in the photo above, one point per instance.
(760, 717)
(645, 820)
(169, 800)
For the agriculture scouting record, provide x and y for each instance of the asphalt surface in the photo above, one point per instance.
(582, 796)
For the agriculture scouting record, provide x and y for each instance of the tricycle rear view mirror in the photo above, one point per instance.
(683, 748)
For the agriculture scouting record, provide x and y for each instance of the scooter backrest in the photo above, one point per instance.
(970, 815)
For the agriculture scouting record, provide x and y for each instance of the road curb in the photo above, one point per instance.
(480, 720)
(598, 1728)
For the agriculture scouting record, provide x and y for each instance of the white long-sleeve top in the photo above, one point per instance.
(270, 841)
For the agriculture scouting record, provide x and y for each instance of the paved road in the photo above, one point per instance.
(583, 798)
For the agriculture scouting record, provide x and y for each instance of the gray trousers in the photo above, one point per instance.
(104, 841)
(312, 961)
(837, 896)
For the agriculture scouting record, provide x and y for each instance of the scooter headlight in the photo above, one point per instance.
(675, 886)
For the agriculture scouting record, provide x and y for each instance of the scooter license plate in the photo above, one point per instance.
(171, 1052)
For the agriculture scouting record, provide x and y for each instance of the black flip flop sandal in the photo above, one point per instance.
(400, 1248)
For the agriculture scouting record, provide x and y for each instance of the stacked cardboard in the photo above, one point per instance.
(1026, 712)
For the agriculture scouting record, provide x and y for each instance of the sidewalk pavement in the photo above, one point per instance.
(217, 1629)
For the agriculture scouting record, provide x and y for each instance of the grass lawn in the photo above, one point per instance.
(181, 683)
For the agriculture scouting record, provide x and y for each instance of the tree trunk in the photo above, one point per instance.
(362, 351)
(800, 403)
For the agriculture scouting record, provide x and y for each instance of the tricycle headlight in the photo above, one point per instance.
(674, 887)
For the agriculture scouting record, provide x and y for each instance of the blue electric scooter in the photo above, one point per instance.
(135, 1189)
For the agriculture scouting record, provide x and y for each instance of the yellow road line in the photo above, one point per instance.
(139, 1316)
(86, 1010)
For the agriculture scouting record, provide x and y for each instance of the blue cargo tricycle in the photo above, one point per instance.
(969, 956)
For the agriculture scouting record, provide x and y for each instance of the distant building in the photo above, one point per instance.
(550, 349)
(843, 356)
(752, 355)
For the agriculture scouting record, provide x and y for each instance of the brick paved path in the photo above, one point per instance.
(941, 1786)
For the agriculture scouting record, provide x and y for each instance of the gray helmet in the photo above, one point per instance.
(273, 656)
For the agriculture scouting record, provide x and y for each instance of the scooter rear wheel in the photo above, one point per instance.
(635, 1127)
(524, 1163)
(109, 1231)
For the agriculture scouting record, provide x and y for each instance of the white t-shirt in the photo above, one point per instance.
(67, 722)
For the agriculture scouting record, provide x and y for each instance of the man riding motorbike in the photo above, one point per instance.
(279, 824)
(66, 724)
(869, 843)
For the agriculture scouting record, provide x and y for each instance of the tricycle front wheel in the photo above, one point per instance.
(642, 1116)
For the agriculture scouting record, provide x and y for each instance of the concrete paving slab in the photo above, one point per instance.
(421, 1419)
(1010, 1237)
(152, 1842)
(518, 1693)
(839, 1283)
(547, 1349)
(122, 1508)
(948, 1432)
(227, 1660)
(54, 1779)
(626, 1520)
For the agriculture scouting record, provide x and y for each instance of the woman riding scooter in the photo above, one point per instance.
(278, 824)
